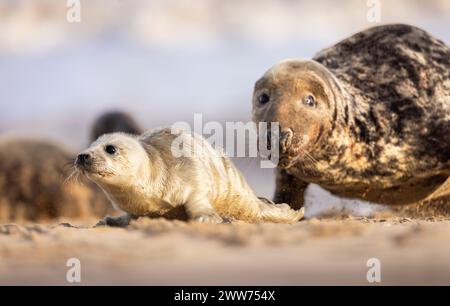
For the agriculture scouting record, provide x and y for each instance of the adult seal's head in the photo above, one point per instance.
(301, 95)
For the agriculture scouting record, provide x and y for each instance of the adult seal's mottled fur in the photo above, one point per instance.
(368, 118)
(163, 170)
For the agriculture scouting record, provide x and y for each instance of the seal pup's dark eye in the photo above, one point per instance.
(263, 99)
(110, 149)
(309, 101)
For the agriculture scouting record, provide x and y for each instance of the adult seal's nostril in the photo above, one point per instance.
(83, 159)
(269, 140)
(273, 136)
(285, 140)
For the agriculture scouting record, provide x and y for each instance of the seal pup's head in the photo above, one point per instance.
(114, 160)
(300, 96)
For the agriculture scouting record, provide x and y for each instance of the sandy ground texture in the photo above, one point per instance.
(162, 252)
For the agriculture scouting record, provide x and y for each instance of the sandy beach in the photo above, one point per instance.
(162, 252)
(170, 62)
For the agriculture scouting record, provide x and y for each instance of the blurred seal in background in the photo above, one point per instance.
(33, 184)
(112, 122)
(36, 182)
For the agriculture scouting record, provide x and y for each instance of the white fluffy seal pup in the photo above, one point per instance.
(162, 170)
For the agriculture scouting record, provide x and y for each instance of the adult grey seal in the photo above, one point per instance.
(368, 118)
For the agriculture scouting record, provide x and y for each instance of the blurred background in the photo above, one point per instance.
(163, 61)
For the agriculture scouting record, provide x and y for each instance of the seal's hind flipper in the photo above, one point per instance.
(280, 213)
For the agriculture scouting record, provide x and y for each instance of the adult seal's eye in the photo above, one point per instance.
(110, 149)
(309, 101)
(264, 99)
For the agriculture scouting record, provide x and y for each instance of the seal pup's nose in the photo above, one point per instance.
(83, 160)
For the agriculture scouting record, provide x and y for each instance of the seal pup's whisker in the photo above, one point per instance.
(69, 178)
